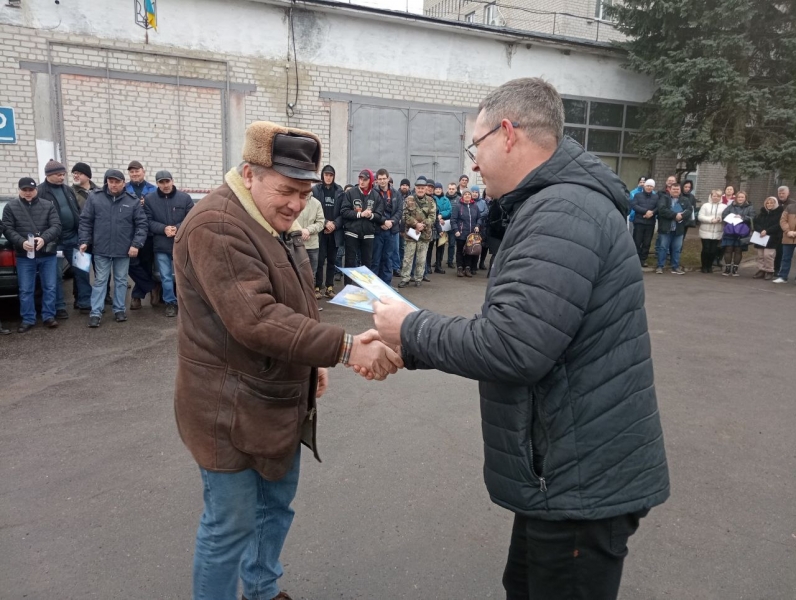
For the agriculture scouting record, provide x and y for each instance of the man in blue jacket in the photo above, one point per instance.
(165, 210)
(114, 224)
(573, 444)
(645, 205)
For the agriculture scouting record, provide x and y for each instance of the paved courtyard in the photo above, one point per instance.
(99, 499)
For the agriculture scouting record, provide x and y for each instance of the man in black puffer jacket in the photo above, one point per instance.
(572, 436)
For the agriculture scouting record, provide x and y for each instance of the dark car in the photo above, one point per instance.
(9, 285)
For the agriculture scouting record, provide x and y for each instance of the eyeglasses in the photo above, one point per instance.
(468, 149)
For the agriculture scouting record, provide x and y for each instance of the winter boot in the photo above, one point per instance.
(467, 272)
(735, 272)
(727, 270)
(459, 272)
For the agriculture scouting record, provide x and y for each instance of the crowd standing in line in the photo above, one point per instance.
(399, 234)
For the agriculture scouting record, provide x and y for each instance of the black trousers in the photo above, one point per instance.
(567, 560)
(326, 256)
(709, 249)
(141, 270)
(642, 236)
(364, 246)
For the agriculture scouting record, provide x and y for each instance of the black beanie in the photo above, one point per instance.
(405, 182)
(82, 168)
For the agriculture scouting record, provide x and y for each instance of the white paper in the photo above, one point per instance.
(733, 219)
(81, 261)
(759, 239)
(413, 234)
(446, 225)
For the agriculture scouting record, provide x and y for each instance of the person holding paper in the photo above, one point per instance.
(767, 229)
(735, 240)
(420, 214)
(33, 227)
(788, 224)
(573, 443)
(252, 358)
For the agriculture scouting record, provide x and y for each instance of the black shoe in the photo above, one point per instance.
(481, 266)
(108, 301)
(171, 310)
(85, 311)
(451, 265)
(396, 273)
(439, 270)
(4, 331)
(735, 272)
(25, 327)
(403, 284)
(94, 321)
(426, 279)
(61, 314)
(50, 323)
(120, 316)
(727, 270)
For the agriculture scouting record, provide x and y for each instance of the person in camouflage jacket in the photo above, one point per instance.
(420, 213)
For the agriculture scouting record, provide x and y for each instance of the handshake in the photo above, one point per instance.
(377, 352)
(372, 358)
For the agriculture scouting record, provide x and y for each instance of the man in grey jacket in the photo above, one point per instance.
(572, 435)
(114, 224)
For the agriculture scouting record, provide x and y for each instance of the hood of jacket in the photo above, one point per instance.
(327, 169)
(570, 163)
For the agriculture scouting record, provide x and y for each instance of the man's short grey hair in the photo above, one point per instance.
(531, 102)
(783, 188)
(258, 170)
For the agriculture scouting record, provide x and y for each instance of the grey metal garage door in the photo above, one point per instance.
(407, 142)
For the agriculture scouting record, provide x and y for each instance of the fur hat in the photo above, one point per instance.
(292, 152)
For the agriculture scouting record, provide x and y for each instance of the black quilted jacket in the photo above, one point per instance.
(561, 350)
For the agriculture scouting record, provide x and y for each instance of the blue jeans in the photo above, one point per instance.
(669, 243)
(166, 268)
(27, 269)
(243, 528)
(382, 261)
(103, 266)
(82, 281)
(787, 258)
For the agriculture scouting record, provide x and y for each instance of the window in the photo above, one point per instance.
(598, 9)
(607, 129)
(491, 15)
(469, 17)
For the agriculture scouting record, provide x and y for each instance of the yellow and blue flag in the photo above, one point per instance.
(151, 15)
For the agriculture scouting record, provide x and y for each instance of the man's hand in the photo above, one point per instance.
(792, 234)
(420, 227)
(387, 224)
(39, 243)
(373, 359)
(132, 252)
(389, 315)
(305, 234)
(142, 200)
(83, 248)
(329, 227)
(170, 231)
(323, 382)
(458, 233)
(679, 217)
(366, 214)
(476, 229)
(648, 214)
(763, 233)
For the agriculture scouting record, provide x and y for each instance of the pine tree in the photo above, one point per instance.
(726, 77)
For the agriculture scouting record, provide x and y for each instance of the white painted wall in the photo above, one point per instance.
(341, 38)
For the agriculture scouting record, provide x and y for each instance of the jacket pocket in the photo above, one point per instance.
(265, 423)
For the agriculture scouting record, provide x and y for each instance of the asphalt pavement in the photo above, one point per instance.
(99, 498)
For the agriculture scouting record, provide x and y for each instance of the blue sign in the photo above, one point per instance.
(8, 129)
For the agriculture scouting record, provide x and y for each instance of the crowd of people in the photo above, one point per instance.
(398, 234)
(127, 226)
(727, 223)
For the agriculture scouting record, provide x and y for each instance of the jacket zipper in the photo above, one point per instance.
(542, 480)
